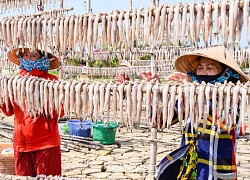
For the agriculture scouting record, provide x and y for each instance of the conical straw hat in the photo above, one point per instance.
(188, 62)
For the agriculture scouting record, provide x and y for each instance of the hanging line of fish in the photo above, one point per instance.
(53, 12)
(104, 71)
(3, 52)
(162, 56)
(194, 24)
(132, 71)
(164, 60)
(23, 5)
(131, 103)
(5, 64)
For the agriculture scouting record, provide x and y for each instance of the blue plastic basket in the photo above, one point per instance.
(77, 129)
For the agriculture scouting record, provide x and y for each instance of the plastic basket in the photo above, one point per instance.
(7, 161)
(79, 129)
(63, 128)
(105, 133)
(66, 128)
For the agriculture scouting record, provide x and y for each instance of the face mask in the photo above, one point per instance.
(208, 78)
(42, 64)
(229, 76)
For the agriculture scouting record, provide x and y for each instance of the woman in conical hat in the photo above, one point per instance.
(28, 61)
(206, 157)
(220, 67)
(36, 142)
(190, 67)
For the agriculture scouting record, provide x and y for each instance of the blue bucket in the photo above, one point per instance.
(77, 129)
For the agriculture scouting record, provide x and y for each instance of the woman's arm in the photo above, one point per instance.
(148, 76)
(176, 76)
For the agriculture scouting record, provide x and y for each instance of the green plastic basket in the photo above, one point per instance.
(105, 133)
(66, 128)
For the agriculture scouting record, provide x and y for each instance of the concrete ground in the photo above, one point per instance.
(129, 157)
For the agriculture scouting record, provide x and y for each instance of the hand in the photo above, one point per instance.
(179, 77)
(148, 76)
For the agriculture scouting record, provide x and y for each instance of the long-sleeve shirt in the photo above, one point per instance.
(216, 153)
(30, 135)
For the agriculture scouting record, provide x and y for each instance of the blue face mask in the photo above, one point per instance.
(42, 64)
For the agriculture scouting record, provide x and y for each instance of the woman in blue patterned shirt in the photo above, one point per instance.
(212, 155)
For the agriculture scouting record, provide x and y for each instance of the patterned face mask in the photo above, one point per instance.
(42, 64)
(229, 76)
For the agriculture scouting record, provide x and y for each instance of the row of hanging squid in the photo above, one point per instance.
(163, 58)
(22, 5)
(153, 26)
(131, 102)
(242, 56)
(105, 71)
(8, 65)
(112, 72)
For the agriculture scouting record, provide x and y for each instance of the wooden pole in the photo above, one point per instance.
(40, 6)
(60, 70)
(61, 3)
(153, 64)
(153, 151)
(60, 74)
(88, 6)
(152, 2)
(155, 2)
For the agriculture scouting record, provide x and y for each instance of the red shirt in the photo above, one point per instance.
(29, 135)
(121, 78)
